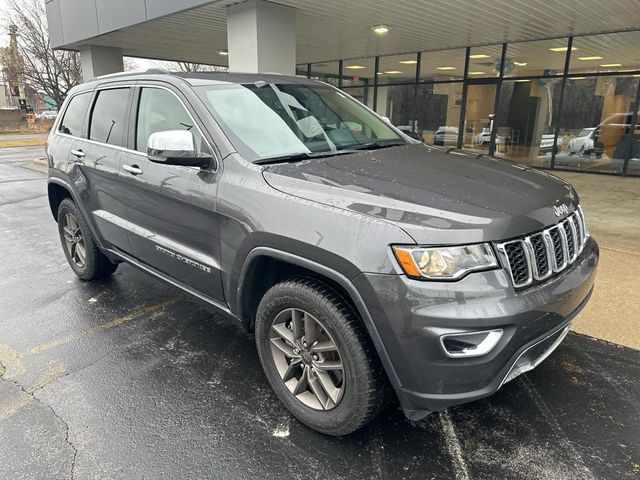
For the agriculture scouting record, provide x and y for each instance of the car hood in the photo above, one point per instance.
(436, 195)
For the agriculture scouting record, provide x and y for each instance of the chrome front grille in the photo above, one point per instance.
(538, 256)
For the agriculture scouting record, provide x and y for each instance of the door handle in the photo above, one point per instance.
(78, 153)
(132, 169)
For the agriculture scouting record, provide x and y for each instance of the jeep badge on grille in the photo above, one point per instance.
(561, 210)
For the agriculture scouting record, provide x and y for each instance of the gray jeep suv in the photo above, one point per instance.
(366, 262)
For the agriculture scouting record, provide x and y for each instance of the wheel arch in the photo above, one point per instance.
(280, 265)
(57, 191)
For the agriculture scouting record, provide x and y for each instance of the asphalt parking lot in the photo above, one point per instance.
(129, 378)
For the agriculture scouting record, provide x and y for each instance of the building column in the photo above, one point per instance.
(97, 60)
(261, 37)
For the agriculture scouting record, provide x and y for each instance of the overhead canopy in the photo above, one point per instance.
(195, 30)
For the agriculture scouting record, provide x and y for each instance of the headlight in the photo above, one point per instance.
(445, 263)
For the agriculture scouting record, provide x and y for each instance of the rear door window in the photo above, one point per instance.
(74, 115)
(109, 116)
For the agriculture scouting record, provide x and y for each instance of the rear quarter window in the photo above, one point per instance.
(74, 115)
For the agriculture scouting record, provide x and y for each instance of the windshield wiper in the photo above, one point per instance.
(296, 157)
(374, 145)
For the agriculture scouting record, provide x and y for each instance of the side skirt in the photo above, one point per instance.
(152, 271)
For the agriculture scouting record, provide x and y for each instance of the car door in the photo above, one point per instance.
(62, 141)
(98, 158)
(173, 225)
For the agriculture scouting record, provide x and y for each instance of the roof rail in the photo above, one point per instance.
(117, 74)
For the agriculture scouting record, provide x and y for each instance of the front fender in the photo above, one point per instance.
(335, 275)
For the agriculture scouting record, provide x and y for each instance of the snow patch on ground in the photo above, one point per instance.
(281, 431)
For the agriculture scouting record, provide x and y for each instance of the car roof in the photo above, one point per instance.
(195, 78)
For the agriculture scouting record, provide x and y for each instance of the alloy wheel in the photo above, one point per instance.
(74, 241)
(307, 359)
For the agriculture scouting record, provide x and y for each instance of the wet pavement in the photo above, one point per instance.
(130, 378)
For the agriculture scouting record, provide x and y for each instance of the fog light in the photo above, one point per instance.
(471, 344)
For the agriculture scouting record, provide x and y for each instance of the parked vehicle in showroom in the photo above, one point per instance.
(582, 144)
(484, 138)
(364, 261)
(613, 138)
(446, 136)
(546, 144)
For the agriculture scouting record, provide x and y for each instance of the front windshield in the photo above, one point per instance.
(268, 120)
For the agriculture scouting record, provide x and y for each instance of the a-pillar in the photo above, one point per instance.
(97, 60)
(261, 37)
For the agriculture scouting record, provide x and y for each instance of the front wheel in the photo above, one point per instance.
(317, 356)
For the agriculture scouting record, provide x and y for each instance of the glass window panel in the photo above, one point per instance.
(544, 57)
(160, 110)
(326, 72)
(603, 104)
(485, 61)
(479, 117)
(397, 68)
(75, 114)
(397, 103)
(108, 116)
(358, 72)
(438, 113)
(362, 94)
(606, 53)
(526, 120)
(442, 65)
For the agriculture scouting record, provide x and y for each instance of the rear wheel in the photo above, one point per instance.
(82, 253)
(317, 357)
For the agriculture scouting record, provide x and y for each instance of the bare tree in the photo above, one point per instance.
(54, 72)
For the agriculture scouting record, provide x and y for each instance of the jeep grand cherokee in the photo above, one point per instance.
(365, 262)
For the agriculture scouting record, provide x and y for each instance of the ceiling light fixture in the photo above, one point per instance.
(392, 72)
(605, 65)
(355, 67)
(476, 73)
(562, 49)
(478, 55)
(595, 57)
(408, 62)
(445, 68)
(223, 52)
(522, 81)
(520, 64)
(380, 29)
(577, 78)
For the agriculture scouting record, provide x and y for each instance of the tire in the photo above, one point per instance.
(83, 255)
(364, 388)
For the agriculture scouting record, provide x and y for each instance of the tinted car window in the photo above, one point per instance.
(73, 119)
(108, 116)
(160, 110)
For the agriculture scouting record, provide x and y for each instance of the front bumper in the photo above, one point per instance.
(412, 315)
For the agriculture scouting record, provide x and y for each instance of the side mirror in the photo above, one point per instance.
(176, 147)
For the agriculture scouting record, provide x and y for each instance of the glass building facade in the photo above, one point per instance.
(567, 103)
